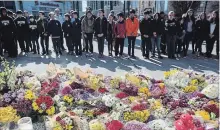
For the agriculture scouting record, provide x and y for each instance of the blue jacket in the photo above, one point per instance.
(185, 24)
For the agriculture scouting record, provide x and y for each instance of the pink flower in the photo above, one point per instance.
(114, 125)
(66, 90)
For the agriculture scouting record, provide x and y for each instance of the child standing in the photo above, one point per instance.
(34, 35)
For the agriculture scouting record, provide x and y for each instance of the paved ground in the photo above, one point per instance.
(110, 66)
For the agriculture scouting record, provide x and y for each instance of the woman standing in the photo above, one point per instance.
(110, 33)
(213, 34)
(202, 32)
(88, 30)
(188, 27)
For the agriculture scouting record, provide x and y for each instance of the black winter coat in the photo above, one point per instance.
(67, 28)
(22, 26)
(110, 30)
(8, 27)
(202, 28)
(42, 26)
(171, 27)
(216, 31)
(98, 28)
(54, 28)
(76, 28)
(146, 27)
(158, 26)
(33, 29)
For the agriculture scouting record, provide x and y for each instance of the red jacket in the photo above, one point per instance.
(120, 29)
(132, 27)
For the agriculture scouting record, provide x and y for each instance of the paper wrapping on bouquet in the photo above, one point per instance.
(211, 91)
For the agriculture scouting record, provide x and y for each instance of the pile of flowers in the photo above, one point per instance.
(72, 99)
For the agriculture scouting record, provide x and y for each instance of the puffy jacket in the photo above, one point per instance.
(158, 26)
(88, 25)
(171, 27)
(110, 30)
(202, 28)
(146, 27)
(22, 25)
(33, 29)
(120, 29)
(132, 27)
(77, 28)
(54, 28)
(98, 28)
(67, 29)
(42, 27)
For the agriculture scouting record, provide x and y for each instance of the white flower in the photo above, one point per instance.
(68, 120)
(78, 111)
(211, 91)
(62, 109)
(61, 103)
(56, 98)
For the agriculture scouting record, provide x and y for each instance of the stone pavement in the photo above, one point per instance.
(111, 66)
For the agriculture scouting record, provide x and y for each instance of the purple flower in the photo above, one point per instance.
(6, 95)
(13, 95)
(66, 90)
(7, 100)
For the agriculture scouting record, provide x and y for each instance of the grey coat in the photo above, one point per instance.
(87, 25)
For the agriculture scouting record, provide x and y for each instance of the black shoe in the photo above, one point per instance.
(43, 53)
(153, 56)
(133, 57)
(60, 52)
(160, 57)
(35, 52)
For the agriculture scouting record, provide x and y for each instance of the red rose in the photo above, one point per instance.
(102, 90)
(114, 125)
(58, 118)
(121, 95)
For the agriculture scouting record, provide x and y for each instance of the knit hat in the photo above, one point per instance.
(31, 16)
(19, 12)
(132, 11)
(75, 12)
(120, 14)
(67, 15)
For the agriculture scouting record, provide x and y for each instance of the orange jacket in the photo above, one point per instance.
(132, 27)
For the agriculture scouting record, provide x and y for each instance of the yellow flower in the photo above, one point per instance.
(57, 126)
(40, 111)
(8, 114)
(133, 79)
(35, 106)
(144, 90)
(68, 99)
(89, 113)
(204, 114)
(29, 95)
(155, 104)
(189, 89)
(137, 115)
(51, 110)
(169, 73)
(115, 82)
(68, 127)
(94, 82)
(194, 82)
(133, 98)
(161, 85)
(96, 125)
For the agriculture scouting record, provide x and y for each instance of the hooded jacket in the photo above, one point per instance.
(76, 28)
(33, 29)
(54, 28)
(88, 25)
(146, 27)
(22, 25)
(171, 27)
(67, 28)
(132, 27)
(42, 27)
(100, 26)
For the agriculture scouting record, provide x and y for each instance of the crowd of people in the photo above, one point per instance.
(168, 34)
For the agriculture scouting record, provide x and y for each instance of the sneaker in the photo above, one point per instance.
(43, 53)
(153, 56)
(175, 55)
(178, 55)
(60, 52)
(100, 56)
(160, 57)
(133, 57)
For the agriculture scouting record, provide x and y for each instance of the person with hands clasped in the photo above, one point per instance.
(34, 34)
(171, 34)
(119, 31)
(67, 30)
(146, 33)
(132, 25)
(42, 30)
(101, 31)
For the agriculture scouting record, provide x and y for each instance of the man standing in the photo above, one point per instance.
(28, 36)
(77, 33)
(101, 31)
(132, 26)
(146, 33)
(163, 36)
(22, 31)
(55, 30)
(8, 32)
(60, 18)
(42, 30)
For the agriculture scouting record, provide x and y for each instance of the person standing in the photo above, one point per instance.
(112, 12)
(101, 31)
(60, 18)
(132, 25)
(28, 37)
(55, 31)
(77, 34)
(171, 35)
(213, 34)
(146, 33)
(110, 33)
(8, 32)
(22, 31)
(188, 26)
(42, 30)
(67, 30)
(202, 32)
(34, 35)
(120, 32)
(88, 30)
(180, 35)
(163, 36)
(158, 29)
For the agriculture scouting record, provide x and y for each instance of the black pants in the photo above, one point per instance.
(88, 40)
(163, 43)
(178, 46)
(69, 43)
(131, 45)
(1, 48)
(44, 41)
(187, 39)
(101, 45)
(35, 43)
(199, 44)
(61, 41)
(28, 44)
(78, 45)
(119, 42)
(217, 47)
(171, 39)
(56, 45)
(20, 39)
(10, 45)
(110, 49)
(146, 46)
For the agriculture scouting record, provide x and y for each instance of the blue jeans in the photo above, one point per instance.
(155, 41)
